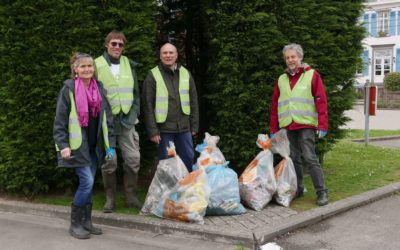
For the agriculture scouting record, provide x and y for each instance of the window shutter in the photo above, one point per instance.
(398, 22)
(373, 24)
(392, 23)
(366, 24)
(397, 60)
(365, 63)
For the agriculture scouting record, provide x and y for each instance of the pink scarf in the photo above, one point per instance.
(85, 99)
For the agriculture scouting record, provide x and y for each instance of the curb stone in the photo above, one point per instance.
(215, 233)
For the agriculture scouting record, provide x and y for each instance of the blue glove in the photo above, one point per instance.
(110, 153)
(321, 133)
(271, 136)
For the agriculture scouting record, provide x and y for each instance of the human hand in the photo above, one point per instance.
(156, 139)
(321, 133)
(66, 153)
(110, 153)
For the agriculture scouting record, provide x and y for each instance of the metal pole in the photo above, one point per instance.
(366, 109)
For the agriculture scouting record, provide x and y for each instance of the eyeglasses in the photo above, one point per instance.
(115, 44)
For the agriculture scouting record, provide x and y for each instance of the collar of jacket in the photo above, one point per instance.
(304, 67)
(110, 60)
(168, 69)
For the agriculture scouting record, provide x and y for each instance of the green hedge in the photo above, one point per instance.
(38, 38)
(247, 38)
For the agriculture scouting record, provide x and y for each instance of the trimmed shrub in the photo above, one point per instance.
(392, 81)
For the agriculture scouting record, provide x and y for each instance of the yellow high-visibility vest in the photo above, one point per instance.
(119, 89)
(161, 109)
(297, 104)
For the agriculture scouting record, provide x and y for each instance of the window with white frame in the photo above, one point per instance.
(383, 23)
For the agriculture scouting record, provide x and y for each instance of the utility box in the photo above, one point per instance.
(373, 100)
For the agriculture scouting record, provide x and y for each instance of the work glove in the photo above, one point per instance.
(110, 153)
(321, 133)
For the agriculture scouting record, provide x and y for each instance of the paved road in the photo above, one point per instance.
(34, 232)
(384, 119)
(370, 227)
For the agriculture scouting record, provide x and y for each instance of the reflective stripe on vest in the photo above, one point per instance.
(161, 109)
(119, 90)
(297, 104)
(75, 130)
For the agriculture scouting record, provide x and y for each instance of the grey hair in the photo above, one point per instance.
(76, 59)
(296, 47)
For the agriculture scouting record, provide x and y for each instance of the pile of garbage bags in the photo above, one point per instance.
(215, 189)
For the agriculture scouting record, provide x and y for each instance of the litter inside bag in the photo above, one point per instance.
(257, 182)
(168, 173)
(187, 201)
(210, 154)
(224, 197)
(286, 182)
(285, 174)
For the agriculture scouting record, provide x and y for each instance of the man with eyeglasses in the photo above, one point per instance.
(118, 75)
(171, 106)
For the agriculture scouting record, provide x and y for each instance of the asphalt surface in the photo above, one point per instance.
(265, 225)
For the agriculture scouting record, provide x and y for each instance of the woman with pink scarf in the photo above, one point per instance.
(84, 137)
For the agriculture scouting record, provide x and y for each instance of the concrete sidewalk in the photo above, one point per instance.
(273, 221)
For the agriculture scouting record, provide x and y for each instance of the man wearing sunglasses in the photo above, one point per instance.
(170, 106)
(118, 75)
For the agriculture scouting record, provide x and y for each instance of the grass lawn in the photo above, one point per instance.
(350, 168)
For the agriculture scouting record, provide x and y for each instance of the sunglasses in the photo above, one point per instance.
(115, 44)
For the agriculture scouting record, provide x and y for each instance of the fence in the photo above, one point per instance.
(386, 99)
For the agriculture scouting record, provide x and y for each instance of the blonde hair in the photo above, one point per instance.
(76, 60)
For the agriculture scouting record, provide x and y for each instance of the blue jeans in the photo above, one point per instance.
(86, 174)
(302, 143)
(183, 145)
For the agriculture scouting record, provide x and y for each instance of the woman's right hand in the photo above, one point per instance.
(66, 153)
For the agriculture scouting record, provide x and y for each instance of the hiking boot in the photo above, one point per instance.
(322, 198)
(299, 193)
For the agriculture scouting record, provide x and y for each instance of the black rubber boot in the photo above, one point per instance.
(76, 229)
(87, 221)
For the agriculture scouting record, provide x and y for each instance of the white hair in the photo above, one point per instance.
(296, 47)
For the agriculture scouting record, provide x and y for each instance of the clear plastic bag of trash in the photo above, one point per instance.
(168, 173)
(257, 182)
(224, 186)
(187, 201)
(285, 174)
(210, 154)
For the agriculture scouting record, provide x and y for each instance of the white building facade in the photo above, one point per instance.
(381, 54)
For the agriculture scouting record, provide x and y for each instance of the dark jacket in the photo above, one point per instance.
(129, 119)
(176, 121)
(81, 156)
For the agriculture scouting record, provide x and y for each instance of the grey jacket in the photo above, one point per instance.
(176, 121)
(127, 120)
(81, 156)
